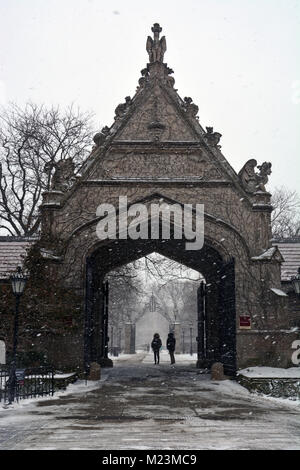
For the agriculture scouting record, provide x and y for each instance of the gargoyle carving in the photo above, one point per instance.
(253, 181)
(144, 77)
(100, 137)
(170, 80)
(263, 175)
(63, 176)
(190, 107)
(122, 108)
(211, 137)
(156, 47)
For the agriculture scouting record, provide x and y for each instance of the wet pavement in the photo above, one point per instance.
(139, 405)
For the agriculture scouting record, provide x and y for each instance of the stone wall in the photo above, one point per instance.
(275, 387)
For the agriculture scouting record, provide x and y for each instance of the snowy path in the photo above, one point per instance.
(143, 406)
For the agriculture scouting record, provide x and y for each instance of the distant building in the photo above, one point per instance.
(147, 325)
(290, 250)
(12, 254)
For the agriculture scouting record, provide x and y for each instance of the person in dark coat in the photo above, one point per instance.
(171, 342)
(156, 345)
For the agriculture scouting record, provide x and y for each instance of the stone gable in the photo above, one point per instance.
(157, 107)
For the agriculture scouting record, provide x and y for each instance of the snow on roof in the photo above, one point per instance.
(13, 250)
(266, 254)
(290, 250)
(12, 253)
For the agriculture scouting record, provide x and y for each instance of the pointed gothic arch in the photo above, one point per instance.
(108, 256)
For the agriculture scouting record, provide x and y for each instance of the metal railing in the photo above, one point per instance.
(28, 383)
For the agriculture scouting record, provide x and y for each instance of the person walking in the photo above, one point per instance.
(156, 345)
(171, 342)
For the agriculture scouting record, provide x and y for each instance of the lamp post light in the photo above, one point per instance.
(18, 282)
(296, 282)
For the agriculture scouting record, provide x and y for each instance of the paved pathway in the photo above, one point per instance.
(143, 406)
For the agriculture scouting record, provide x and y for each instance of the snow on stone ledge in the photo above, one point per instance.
(271, 372)
(278, 292)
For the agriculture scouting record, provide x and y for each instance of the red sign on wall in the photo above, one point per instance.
(245, 322)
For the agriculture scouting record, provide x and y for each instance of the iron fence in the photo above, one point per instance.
(28, 383)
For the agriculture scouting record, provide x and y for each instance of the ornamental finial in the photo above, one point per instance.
(156, 47)
(156, 28)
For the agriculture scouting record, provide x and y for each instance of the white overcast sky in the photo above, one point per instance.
(237, 59)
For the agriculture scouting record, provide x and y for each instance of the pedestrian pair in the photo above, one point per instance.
(157, 344)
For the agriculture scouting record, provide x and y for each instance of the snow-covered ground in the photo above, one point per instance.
(269, 372)
(164, 357)
(139, 405)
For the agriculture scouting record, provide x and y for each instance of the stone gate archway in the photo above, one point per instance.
(211, 261)
(155, 150)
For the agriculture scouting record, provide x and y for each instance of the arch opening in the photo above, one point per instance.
(215, 299)
(152, 295)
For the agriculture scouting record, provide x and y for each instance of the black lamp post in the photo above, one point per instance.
(201, 347)
(296, 282)
(112, 340)
(191, 339)
(18, 282)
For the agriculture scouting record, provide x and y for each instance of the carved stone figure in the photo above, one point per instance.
(156, 127)
(63, 176)
(170, 80)
(144, 77)
(156, 47)
(264, 173)
(211, 137)
(247, 176)
(190, 107)
(100, 137)
(122, 108)
(251, 180)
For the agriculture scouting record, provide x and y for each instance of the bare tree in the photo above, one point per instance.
(177, 299)
(286, 213)
(172, 284)
(30, 140)
(125, 294)
(162, 270)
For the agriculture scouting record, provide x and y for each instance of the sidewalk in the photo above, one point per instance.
(165, 358)
(145, 406)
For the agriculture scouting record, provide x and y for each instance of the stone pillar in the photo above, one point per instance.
(52, 198)
(129, 338)
(217, 371)
(50, 204)
(95, 371)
